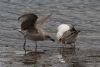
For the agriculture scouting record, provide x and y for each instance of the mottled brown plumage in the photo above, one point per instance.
(32, 27)
(69, 37)
(28, 21)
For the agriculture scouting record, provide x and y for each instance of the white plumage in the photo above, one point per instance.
(61, 29)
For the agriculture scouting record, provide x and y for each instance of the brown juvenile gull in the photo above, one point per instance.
(32, 28)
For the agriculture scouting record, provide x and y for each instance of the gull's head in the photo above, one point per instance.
(62, 28)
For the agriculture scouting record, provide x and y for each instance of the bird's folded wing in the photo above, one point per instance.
(70, 36)
(67, 34)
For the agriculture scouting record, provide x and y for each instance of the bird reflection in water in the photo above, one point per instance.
(32, 58)
(69, 57)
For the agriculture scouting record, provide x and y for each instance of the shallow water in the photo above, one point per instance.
(84, 14)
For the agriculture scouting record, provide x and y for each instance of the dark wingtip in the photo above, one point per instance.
(18, 18)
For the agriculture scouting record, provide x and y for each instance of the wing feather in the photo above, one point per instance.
(70, 37)
(28, 21)
(40, 24)
(41, 21)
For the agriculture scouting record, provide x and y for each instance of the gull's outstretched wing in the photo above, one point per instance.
(41, 21)
(28, 21)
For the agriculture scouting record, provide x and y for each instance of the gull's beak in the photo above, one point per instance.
(52, 40)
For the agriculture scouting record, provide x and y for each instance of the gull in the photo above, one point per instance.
(67, 34)
(32, 28)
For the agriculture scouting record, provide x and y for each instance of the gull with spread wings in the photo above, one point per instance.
(32, 28)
